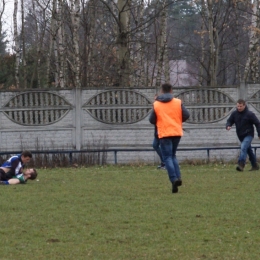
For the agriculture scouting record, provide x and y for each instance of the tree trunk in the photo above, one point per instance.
(122, 40)
(202, 43)
(138, 66)
(75, 17)
(39, 35)
(52, 79)
(213, 46)
(1, 17)
(251, 72)
(16, 45)
(91, 31)
(238, 66)
(162, 45)
(61, 46)
(23, 47)
(143, 79)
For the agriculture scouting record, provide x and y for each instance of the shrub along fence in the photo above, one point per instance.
(68, 158)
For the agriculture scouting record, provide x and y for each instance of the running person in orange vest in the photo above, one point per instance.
(168, 114)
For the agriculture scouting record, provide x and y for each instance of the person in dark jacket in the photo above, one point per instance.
(168, 114)
(244, 120)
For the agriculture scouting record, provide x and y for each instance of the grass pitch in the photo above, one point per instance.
(129, 212)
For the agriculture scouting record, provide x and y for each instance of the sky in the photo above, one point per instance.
(8, 14)
(8, 21)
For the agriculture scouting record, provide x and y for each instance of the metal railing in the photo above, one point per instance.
(116, 150)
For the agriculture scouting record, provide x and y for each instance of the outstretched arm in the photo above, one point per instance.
(152, 118)
(185, 113)
(14, 181)
(230, 122)
(11, 181)
(256, 122)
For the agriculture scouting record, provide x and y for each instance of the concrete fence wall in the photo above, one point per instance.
(118, 118)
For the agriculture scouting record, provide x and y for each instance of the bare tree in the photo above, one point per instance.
(22, 35)
(62, 45)
(162, 48)
(17, 48)
(214, 45)
(123, 43)
(91, 34)
(202, 35)
(251, 72)
(130, 43)
(75, 15)
(40, 30)
(2, 10)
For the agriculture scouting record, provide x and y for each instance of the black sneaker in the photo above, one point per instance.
(161, 167)
(255, 168)
(179, 182)
(175, 186)
(240, 168)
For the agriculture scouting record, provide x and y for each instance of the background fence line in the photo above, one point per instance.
(116, 151)
(101, 119)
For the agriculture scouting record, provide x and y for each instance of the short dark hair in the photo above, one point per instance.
(241, 101)
(26, 154)
(166, 88)
(33, 175)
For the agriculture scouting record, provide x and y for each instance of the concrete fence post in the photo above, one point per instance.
(243, 91)
(78, 118)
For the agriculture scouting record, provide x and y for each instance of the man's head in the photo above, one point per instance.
(166, 88)
(26, 156)
(241, 105)
(30, 174)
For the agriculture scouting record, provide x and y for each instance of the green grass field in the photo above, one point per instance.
(129, 212)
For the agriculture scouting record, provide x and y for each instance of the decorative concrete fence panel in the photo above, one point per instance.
(80, 119)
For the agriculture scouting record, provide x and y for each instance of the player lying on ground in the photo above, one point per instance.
(28, 174)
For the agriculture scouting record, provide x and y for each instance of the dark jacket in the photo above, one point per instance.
(166, 98)
(15, 166)
(155, 132)
(244, 122)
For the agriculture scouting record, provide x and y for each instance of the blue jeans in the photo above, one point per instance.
(246, 149)
(169, 147)
(157, 148)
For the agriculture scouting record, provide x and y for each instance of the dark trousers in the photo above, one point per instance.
(3, 176)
